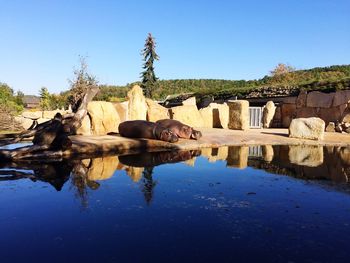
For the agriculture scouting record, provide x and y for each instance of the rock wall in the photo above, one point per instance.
(330, 107)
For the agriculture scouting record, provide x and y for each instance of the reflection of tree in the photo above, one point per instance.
(148, 184)
(54, 173)
(81, 183)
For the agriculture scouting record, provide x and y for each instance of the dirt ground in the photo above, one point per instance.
(211, 138)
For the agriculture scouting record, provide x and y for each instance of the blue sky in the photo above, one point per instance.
(42, 40)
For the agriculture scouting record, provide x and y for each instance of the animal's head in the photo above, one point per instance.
(196, 134)
(186, 131)
(168, 136)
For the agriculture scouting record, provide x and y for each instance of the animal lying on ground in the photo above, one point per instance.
(147, 130)
(180, 129)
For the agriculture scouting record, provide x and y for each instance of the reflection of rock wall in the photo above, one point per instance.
(102, 168)
(309, 162)
(135, 173)
(330, 107)
(267, 151)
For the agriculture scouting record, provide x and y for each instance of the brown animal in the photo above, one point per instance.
(180, 129)
(146, 129)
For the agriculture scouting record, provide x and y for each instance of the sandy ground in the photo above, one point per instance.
(211, 138)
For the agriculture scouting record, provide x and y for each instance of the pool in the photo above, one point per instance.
(228, 204)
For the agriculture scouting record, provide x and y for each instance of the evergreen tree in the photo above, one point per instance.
(148, 76)
(44, 98)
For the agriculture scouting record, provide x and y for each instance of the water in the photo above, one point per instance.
(232, 204)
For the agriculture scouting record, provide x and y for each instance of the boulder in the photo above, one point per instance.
(307, 128)
(137, 104)
(268, 113)
(238, 114)
(24, 122)
(123, 110)
(330, 127)
(306, 155)
(341, 97)
(103, 116)
(155, 111)
(187, 114)
(190, 101)
(33, 115)
(85, 128)
(288, 112)
(318, 99)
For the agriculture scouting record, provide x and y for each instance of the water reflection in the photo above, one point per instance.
(301, 161)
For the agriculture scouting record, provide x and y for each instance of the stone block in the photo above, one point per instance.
(238, 114)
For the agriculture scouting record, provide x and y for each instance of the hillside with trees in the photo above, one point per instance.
(282, 77)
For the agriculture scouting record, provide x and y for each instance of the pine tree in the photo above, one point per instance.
(44, 98)
(148, 76)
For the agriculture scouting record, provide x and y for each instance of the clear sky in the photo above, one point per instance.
(244, 39)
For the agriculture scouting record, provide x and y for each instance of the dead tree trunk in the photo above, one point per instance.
(51, 137)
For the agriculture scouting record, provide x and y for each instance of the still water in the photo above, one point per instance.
(229, 204)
